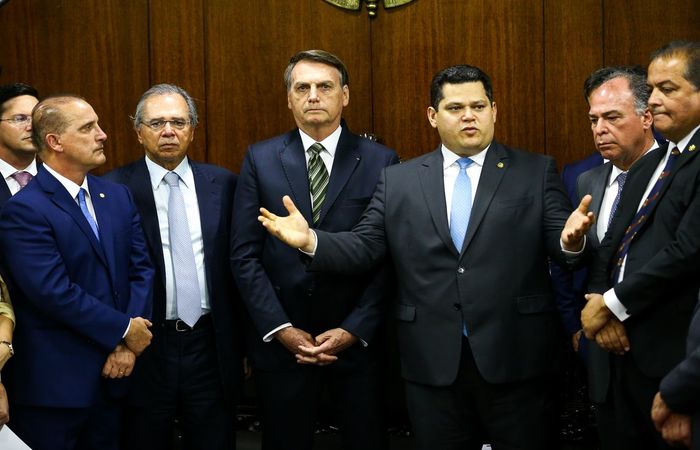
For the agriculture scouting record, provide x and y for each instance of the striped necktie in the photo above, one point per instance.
(318, 180)
(642, 215)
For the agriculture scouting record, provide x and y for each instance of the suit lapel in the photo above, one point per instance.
(101, 202)
(344, 163)
(495, 167)
(598, 183)
(432, 181)
(294, 165)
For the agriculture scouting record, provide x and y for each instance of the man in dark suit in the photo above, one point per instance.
(17, 152)
(77, 267)
(621, 123)
(192, 371)
(290, 307)
(674, 74)
(477, 325)
(645, 280)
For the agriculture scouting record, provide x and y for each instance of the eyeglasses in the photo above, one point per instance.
(19, 119)
(157, 125)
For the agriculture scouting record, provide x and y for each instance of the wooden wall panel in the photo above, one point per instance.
(248, 47)
(177, 55)
(411, 43)
(632, 30)
(98, 50)
(573, 50)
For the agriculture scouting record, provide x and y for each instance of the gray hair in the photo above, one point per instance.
(165, 89)
(636, 77)
(319, 56)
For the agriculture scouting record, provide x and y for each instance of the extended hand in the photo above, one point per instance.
(613, 337)
(4, 407)
(594, 315)
(139, 337)
(293, 230)
(120, 363)
(578, 223)
(328, 344)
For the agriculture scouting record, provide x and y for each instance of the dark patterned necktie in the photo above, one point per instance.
(642, 215)
(318, 180)
(621, 177)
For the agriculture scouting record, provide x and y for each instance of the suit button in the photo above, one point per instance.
(460, 270)
(457, 307)
(309, 292)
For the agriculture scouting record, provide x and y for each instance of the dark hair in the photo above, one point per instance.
(48, 118)
(319, 56)
(458, 75)
(688, 50)
(10, 91)
(166, 89)
(636, 77)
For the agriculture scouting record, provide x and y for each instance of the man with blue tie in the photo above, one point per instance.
(468, 229)
(192, 371)
(80, 277)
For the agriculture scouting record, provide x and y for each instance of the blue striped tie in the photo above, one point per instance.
(86, 213)
(461, 204)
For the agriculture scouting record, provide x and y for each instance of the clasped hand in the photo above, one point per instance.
(321, 350)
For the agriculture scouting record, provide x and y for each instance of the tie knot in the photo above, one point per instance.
(675, 151)
(464, 163)
(316, 149)
(22, 178)
(172, 179)
(81, 195)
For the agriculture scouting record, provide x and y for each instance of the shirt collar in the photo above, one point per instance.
(683, 143)
(70, 186)
(330, 143)
(158, 172)
(449, 157)
(7, 170)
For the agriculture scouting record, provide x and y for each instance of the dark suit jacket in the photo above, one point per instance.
(660, 284)
(73, 295)
(215, 189)
(499, 284)
(272, 278)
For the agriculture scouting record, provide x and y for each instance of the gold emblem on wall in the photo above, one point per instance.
(371, 4)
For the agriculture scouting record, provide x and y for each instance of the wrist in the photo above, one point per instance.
(8, 345)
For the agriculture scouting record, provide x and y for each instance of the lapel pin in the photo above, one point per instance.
(500, 165)
(102, 195)
(691, 148)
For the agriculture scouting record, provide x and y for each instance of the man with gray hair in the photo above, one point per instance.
(192, 372)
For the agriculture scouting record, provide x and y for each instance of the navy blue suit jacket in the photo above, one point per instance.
(215, 187)
(72, 293)
(271, 276)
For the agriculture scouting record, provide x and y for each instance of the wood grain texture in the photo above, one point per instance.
(98, 50)
(573, 50)
(411, 43)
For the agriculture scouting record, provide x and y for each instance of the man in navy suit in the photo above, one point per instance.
(77, 266)
(192, 371)
(17, 151)
(477, 326)
(290, 307)
(645, 278)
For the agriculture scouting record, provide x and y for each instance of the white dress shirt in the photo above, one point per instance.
(7, 171)
(161, 194)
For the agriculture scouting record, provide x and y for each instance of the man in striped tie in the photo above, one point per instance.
(646, 275)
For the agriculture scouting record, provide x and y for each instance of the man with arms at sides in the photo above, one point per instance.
(622, 132)
(17, 151)
(674, 75)
(477, 326)
(646, 274)
(290, 306)
(192, 371)
(81, 283)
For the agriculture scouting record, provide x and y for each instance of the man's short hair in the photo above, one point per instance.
(49, 118)
(319, 56)
(457, 75)
(688, 50)
(166, 89)
(636, 77)
(10, 91)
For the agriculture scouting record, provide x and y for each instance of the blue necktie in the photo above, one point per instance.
(187, 294)
(461, 204)
(86, 213)
(621, 177)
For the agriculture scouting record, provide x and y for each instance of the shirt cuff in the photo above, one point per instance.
(615, 306)
(313, 252)
(269, 336)
(569, 252)
(127, 329)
